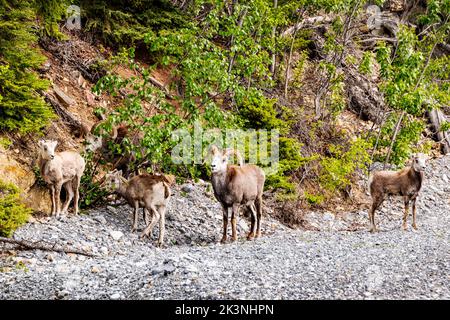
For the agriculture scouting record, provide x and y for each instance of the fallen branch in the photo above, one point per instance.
(37, 246)
(306, 22)
(160, 86)
(65, 115)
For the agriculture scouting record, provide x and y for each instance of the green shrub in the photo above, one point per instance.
(337, 169)
(5, 143)
(13, 213)
(258, 112)
(314, 199)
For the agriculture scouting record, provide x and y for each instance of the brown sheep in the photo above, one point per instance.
(151, 192)
(235, 186)
(406, 183)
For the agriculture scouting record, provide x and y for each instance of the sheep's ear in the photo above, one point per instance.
(214, 150)
(54, 143)
(119, 172)
(41, 143)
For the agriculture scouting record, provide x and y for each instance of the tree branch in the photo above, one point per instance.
(27, 245)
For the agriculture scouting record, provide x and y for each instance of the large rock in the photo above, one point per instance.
(35, 197)
(38, 199)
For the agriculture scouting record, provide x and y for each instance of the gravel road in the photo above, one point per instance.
(283, 264)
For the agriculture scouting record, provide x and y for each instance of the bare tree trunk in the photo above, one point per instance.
(291, 51)
(396, 130)
(38, 246)
(336, 61)
(241, 21)
(274, 55)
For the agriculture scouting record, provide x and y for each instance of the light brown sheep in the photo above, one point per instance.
(406, 183)
(61, 169)
(151, 192)
(235, 186)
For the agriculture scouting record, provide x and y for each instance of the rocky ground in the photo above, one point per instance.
(333, 263)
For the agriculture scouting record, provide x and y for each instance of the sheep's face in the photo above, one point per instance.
(113, 181)
(219, 160)
(48, 149)
(419, 162)
(93, 143)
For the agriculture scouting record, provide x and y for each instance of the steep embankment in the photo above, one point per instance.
(283, 264)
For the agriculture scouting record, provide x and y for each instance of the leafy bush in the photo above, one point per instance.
(314, 199)
(13, 213)
(338, 168)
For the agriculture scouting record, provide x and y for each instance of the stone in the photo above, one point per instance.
(115, 296)
(63, 97)
(243, 225)
(100, 219)
(188, 188)
(112, 209)
(116, 235)
(95, 269)
(328, 216)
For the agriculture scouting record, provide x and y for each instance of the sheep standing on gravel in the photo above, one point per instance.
(151, 192)
(235, 186)
(406, 182)
(60, 169)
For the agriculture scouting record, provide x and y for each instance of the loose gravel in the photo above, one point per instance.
(283, 264)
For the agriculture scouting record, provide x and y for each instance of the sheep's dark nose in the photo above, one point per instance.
(52, 157)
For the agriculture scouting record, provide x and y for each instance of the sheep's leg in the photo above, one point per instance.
(405, 215)
(375, 205)
(58, 187)
(414, 214)
(225, 224)
(251, 234)
(76, 187)
(69, 196)
(258, 204)
(234, 214)
(52, 192)
(147, 217)
(162, 225)
(135, 216)
(155, 217)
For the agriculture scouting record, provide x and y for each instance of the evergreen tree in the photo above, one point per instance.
(21, 107)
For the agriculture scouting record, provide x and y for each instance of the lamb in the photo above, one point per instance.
(61, 169)
(406, 182)
(235, 186)
(150, 192)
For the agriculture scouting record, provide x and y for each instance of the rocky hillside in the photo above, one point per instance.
(343, 260)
